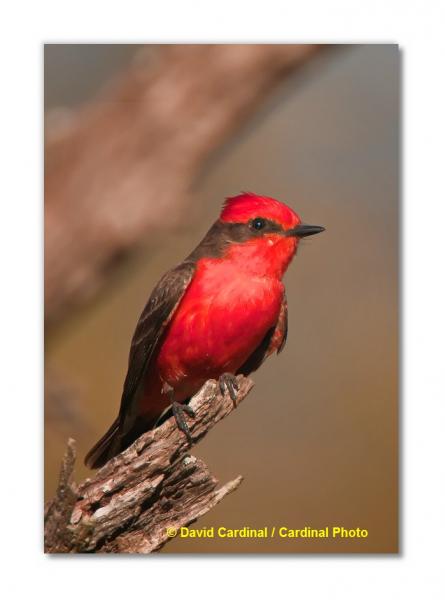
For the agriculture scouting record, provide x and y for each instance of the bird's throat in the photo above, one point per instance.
(265, 257)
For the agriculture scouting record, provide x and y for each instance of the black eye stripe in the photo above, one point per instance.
(222, 234)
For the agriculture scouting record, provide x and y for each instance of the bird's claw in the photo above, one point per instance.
(178, 411)
(189, 410)
(229, 382)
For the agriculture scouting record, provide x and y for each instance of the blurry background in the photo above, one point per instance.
(316, 440)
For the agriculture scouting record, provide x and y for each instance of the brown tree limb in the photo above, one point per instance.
(134, 501)
(120, 169)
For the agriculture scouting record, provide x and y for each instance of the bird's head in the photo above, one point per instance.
(261, 232)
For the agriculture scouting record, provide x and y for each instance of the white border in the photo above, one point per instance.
(418, 28)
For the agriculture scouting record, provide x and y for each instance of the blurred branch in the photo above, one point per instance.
(119, 169)
(153, 486)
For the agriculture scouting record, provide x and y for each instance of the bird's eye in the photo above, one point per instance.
(258, 223)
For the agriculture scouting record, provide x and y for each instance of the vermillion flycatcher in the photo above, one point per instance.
(219, 313)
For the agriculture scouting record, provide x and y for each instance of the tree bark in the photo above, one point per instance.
(138, 499)
(119, 169)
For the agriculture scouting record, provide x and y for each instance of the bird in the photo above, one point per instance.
(218, 314)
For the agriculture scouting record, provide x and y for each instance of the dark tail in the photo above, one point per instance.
(108, 446)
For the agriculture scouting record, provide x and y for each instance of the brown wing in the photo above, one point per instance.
(273, 341)
(151, 325)
(155, 317)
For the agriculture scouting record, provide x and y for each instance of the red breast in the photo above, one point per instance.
(222, 318)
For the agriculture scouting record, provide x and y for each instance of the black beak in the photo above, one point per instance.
(304, 230)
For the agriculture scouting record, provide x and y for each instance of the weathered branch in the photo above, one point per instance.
(120, 169)
(152, 488)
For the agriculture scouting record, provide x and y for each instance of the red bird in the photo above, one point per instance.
(219, 313)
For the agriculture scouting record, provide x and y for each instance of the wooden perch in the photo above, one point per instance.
(147, 491)
(120, 169)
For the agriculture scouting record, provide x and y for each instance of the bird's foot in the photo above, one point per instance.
(229, 382)
(179, 411)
